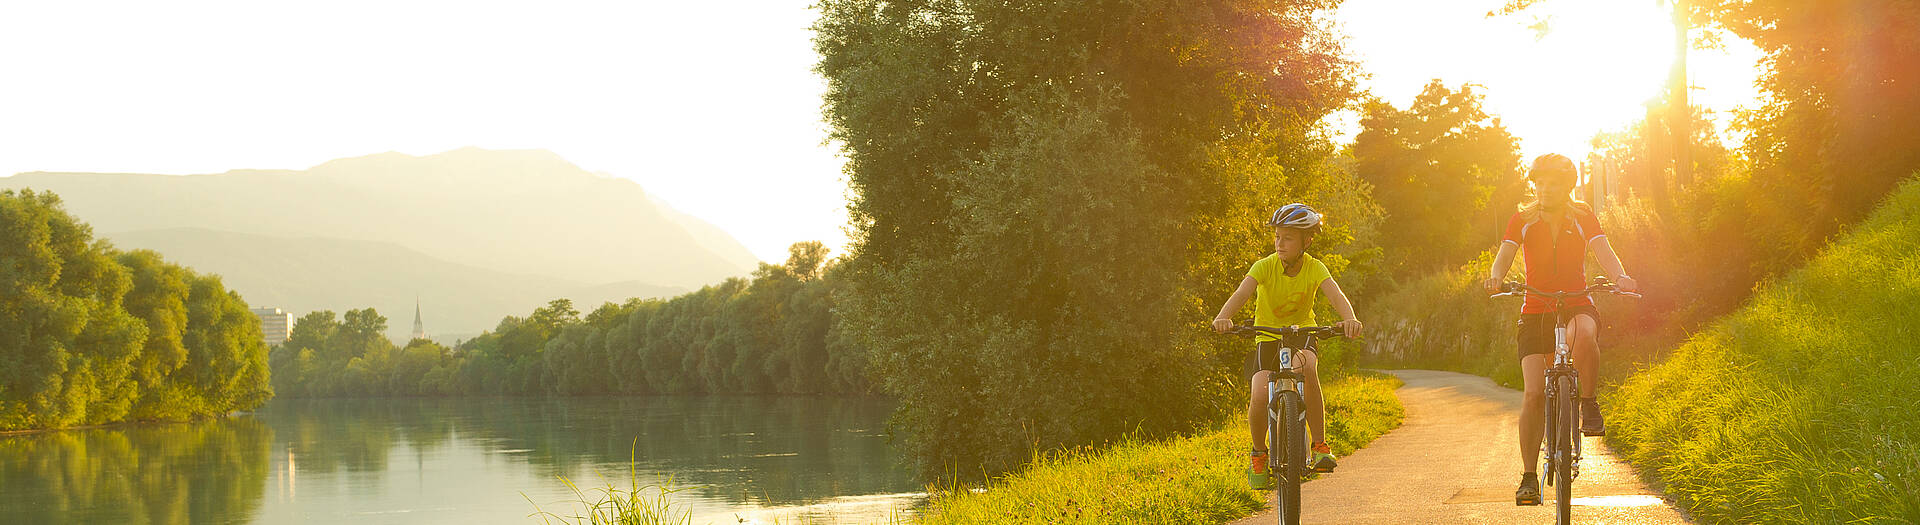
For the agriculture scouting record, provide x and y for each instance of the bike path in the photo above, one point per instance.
(1455, 459)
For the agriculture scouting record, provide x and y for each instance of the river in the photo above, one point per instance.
(494, 460)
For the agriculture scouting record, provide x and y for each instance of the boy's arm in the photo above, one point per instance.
(1603, 252)
(1223, 321)
(1503, 261)
(1341, 306)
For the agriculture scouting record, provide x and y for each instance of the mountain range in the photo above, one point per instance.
(474, 234)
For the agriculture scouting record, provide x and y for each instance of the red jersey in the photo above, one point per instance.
(1556, 260)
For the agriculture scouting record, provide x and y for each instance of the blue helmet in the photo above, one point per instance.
(1297, 216)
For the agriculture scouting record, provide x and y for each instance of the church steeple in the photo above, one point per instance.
(419, 328)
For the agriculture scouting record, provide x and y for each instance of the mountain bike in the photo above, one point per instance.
(1562, 462)
(1286, 414)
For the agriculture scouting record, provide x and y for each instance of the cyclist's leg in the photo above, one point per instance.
(1533, 369)
(1257, 409)
(1582, 338)
(1310, 393)
(1257, 394)
(1534, 343)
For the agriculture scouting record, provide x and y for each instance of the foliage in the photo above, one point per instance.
(91, 335)
(1818, 368)
(1443, 169)
(1193, 479)
(1836, 132)
(1047, 197)
(774, 333)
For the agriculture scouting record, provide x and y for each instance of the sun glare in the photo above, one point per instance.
(1555, 74)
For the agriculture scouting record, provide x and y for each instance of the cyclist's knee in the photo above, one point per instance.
(1309, 365)
(1583, 328)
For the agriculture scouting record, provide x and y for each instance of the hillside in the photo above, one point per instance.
(1797, 408)
(308, 274)
(524, 212)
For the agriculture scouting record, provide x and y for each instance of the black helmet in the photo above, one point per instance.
(1297, 216)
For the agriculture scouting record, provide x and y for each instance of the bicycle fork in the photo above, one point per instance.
(1562, 368)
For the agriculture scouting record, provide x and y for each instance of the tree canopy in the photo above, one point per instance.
(92, 335)
(1048, 195)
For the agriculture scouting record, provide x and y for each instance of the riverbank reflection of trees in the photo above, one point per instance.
(207, 472)
(740, 449)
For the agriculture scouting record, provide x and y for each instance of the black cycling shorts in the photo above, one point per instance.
(1270, 351)
(1536, 330)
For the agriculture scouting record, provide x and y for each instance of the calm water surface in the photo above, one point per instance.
(751, 459)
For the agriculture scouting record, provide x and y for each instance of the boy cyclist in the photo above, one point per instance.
(1555, 232)
(1282, 286)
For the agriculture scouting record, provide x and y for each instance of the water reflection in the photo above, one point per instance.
(211, 472)
(479, 461)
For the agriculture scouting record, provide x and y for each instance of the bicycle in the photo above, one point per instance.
(1287, 456)
(1562, 462)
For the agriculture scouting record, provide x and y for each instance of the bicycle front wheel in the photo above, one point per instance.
(1566, 432)
(1293, 453)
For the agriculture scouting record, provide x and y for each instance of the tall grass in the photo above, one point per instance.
(635, 504)
(1194, 479)
(1799, 407)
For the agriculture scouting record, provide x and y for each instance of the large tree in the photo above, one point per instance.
(1047, 196)
(91, 335)
(1443, 169)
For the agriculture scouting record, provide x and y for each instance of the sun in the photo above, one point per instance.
(1555, 74)
(1594, 66)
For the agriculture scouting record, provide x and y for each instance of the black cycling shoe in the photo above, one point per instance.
(1591, 423)
(1529, 491)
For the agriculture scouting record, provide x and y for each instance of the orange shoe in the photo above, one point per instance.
(1323, 460)
(1257, 476)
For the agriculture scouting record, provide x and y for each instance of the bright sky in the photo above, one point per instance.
(1594, 70)
(710, 106)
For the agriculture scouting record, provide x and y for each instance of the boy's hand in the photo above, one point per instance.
(1351, 327)
(1222, 325)
(1492, 285)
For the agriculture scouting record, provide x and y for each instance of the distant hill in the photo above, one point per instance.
(310, 274)
(524, 212)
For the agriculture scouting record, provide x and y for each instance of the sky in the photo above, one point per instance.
(712, 107)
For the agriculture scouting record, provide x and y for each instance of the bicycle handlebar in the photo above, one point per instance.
(1517, 289)
(1248, 327)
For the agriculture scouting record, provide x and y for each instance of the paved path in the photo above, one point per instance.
(1455, 459)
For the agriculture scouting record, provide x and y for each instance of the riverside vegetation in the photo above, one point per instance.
(95, 335)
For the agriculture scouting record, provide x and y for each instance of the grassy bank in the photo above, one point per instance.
(1194, 479)
(1799, 407)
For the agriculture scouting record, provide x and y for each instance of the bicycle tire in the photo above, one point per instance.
(1567, 430)
(1293, 466)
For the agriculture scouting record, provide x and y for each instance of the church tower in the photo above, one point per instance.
(419, 328)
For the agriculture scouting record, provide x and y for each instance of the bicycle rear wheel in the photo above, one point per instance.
(1566, 432)
(1293, 453)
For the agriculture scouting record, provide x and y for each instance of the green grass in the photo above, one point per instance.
(1800, 407)
(1193, 479)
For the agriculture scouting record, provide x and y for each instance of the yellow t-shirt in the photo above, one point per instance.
(1285, 301)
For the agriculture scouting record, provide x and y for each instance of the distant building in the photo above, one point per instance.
(419, 328)
(275, 325)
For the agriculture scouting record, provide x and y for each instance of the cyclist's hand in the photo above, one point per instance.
(1222, 325)
(1627, 284)
(1492, 285)
(1350, 327)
